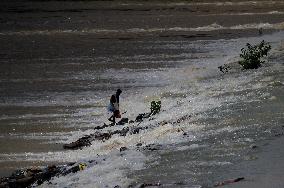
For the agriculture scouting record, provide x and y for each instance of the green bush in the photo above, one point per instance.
(155, 107)
(252, 55)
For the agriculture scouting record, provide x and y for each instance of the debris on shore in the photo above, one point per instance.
(226, 182)
(36, 176)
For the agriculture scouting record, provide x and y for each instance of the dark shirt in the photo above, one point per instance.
(114, 99)
(117, 98)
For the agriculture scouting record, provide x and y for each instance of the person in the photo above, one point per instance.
(114, 106)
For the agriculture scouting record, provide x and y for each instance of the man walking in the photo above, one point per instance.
(114, 106)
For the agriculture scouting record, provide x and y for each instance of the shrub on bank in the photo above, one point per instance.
(252, 55)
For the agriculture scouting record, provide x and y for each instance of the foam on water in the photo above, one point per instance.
(216, 3)
(244, 3)
(29, 116)
(113, 167)
(189, 94)
(245, 13)
(55, 137)
(211, 27)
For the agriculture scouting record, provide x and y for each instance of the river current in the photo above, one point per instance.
(60, 63)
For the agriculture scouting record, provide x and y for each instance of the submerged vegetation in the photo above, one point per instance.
(252, 55)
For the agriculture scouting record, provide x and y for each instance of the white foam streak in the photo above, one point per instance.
(215, 3)
(113, 167)
(245, 13)
(211, 27)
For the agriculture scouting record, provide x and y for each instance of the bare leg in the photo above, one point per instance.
(113, 120)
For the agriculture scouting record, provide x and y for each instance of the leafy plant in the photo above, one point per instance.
(252, 55)
(155, 107)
